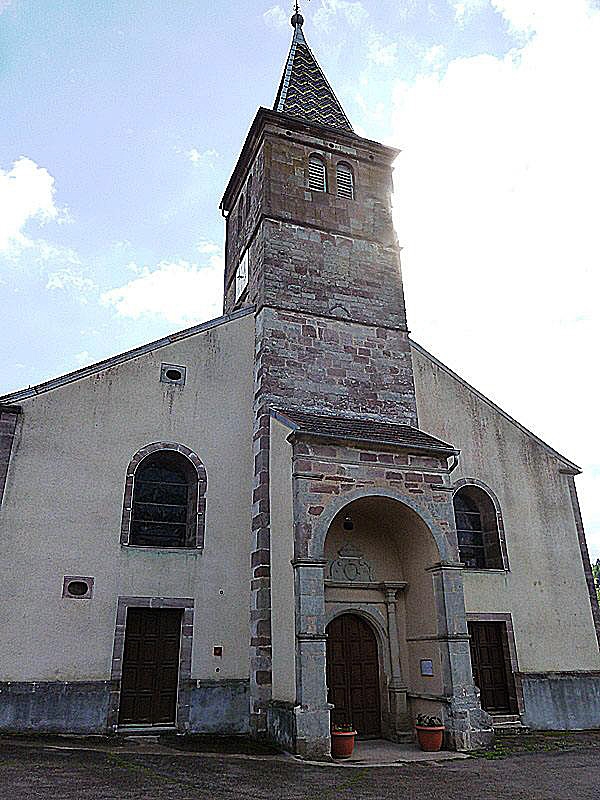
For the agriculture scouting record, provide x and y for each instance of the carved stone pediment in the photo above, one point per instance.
(351, 566)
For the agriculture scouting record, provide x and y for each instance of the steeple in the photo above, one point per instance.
(304, 91)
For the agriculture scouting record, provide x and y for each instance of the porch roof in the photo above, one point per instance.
(361, 429)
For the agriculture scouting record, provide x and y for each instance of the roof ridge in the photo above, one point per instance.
(120, 358)
(570, 464)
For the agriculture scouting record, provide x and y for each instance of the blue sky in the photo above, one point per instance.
(121, 123)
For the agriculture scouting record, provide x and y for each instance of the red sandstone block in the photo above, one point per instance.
(413, 477)
(368, 457)
(324, 488)
(394, 476)
(433, 478)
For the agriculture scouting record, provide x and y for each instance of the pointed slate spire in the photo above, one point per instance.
(304, 91)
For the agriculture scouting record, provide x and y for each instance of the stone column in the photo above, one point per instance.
(399, 717)
(312, 708)
(467, 725)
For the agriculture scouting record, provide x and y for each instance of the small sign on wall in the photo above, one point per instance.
(427, 667)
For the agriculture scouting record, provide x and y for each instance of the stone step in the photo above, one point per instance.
(508, 724)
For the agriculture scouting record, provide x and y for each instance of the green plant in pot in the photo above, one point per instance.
(342, 740)
(430, 733)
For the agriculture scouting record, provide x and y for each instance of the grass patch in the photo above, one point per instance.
(539, 742)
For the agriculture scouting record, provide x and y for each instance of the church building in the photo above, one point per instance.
(292, 516)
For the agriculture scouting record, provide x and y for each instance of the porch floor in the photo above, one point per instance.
(381, 752)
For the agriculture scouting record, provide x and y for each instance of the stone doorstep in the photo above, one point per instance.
(384, 753)
(508, 724)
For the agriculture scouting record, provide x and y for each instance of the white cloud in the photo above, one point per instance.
(208, 248)
(178, 291)
(463, 9)
(69, 278)
(435, 54)
(82, 358)
(497, 208)
(26, 194)
(380, 52)
(276, 17)
(205, 158)
(354, 12)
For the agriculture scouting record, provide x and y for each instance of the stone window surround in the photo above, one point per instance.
(324, 157)
(198, 538)
(512, 650)
(499, 521)
(182, 718)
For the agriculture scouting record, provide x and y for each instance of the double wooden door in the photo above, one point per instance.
(353, 674)
(150, 667)
(490, 674)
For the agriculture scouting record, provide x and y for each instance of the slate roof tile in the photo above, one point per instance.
(361, 429)
(304, 91)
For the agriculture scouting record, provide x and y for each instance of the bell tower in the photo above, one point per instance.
(311, 244)
(311, 247)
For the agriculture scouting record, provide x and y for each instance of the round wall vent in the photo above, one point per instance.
(77, 588)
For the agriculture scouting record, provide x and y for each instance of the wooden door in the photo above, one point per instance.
(353, 674)
(150, 667)
(488, 647)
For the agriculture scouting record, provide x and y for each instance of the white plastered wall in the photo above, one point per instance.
(283, 624)
(61, 513)
(545, 589)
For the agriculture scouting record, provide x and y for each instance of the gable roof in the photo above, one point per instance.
(304, 91)
(361, 429)
(570, 466)
(99, 366)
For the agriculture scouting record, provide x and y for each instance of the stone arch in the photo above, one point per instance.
(461, 483)
(317, 544)
(199, 470)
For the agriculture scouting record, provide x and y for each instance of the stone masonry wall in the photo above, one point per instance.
(308, 362)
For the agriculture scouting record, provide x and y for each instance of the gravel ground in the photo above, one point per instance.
(40, 769)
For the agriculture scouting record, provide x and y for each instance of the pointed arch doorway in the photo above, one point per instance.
(353, 674)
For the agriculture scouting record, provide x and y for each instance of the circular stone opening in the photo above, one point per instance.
(173, 374)
(77, 588)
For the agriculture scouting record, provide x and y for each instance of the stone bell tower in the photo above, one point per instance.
(310, 244)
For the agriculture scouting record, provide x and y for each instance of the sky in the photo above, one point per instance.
(120, 123)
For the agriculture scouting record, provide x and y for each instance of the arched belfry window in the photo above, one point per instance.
(345, 181)
(164, 498)
(477, 528)
(317, 174)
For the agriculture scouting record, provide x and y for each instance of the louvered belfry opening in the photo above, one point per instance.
(345, 181)
(317, 175)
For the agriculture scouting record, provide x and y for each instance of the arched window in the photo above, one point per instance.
(317, 174)
(164, 498)
(477, 529)
(240, 212)
(248, 194)
(345, 181)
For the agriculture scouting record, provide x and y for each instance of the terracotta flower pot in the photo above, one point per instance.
(430, 739)
(342, 743)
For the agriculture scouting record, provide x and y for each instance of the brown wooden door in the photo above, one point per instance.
(489, 665)
(353, 674)
(150, 667)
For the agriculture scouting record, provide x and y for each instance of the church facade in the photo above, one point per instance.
(291, 516)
